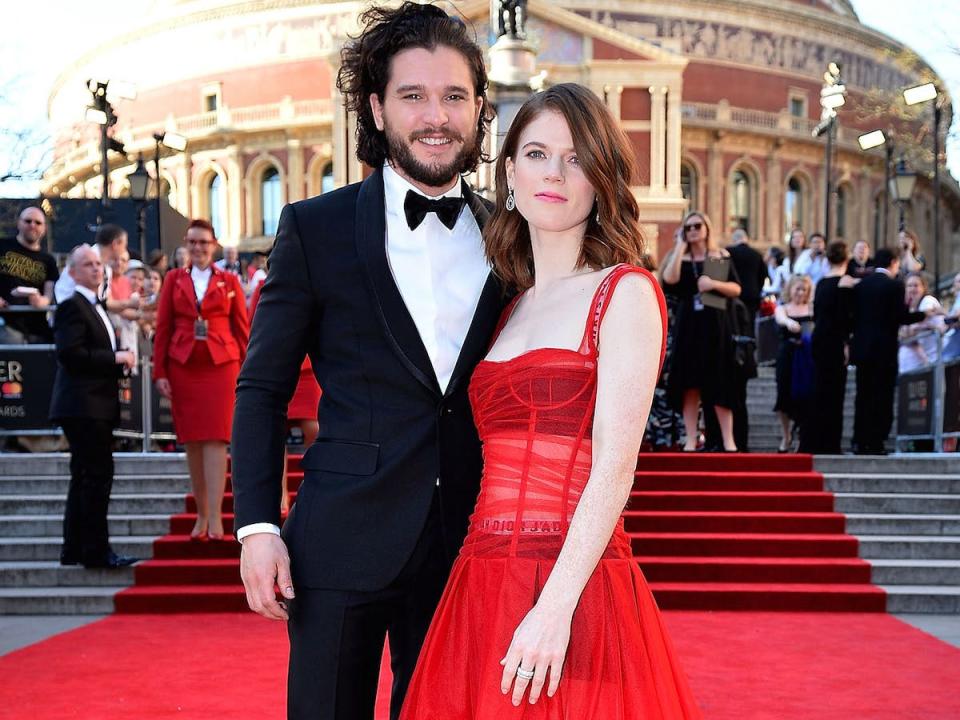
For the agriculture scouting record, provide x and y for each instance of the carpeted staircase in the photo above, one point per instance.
(723, 532)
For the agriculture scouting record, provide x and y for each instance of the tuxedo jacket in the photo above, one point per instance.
(223, 307)
(389, 437)
(87, 371)
(879, 309)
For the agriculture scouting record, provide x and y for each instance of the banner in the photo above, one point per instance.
(26, 384)
(951, 398)
(915, 403)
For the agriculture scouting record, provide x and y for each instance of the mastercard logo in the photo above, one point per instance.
(11, 390)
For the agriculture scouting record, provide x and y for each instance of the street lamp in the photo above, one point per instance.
(139, 181)
(901, 187)
(174, 141)
(913, 96)
(832, 96)
(868, 141)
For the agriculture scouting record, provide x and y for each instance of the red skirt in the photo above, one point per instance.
(303, 404)
(203, 396)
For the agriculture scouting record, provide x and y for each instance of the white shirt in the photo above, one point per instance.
(915, 353)
(64, 287)
(98, 308)
(440, 274)
(201, 280)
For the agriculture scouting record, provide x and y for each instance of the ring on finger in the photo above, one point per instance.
(525, 674)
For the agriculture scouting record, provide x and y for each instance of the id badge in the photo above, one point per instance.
(697, 303)
(200, 329)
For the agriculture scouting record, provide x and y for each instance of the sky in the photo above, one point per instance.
(65, 29)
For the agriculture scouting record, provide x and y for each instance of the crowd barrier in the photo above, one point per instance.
(928, 399)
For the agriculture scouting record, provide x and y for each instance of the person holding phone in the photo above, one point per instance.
(702, 364)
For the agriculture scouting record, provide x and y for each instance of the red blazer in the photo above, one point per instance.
(223, 307)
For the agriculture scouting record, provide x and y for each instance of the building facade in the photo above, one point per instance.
(719, 97)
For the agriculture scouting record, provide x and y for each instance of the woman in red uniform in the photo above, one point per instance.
(201, 339)
(302, 410)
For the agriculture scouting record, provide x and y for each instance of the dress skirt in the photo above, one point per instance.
(203, 396)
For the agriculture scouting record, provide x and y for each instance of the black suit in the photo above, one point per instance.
(879, 309)
(85, 402)
(394, 474)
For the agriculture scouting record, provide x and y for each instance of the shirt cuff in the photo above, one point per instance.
(255, 528)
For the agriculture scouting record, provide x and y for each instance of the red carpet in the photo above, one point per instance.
(711, 532)
(742, 666)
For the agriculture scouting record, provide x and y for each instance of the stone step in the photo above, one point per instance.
(909, 463)
(897, 503)
(890, 524)
(48, 548)
(942, 484)
(95, 600)
(893, 571)
(120, 504)
(123, 463)
(52, 525)
(922, 547)
(50, 573)
(923, 599)
(122, 484)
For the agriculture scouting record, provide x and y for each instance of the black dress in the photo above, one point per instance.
(703, 348)
(831, 315)
(790, 344)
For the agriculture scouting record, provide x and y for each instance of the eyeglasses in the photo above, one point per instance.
(33, 222)
(692, 226)
(200, 243)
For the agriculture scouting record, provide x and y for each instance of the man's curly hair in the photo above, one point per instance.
(365, 69)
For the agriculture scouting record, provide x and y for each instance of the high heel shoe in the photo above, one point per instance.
(215, 537)
(199, 537)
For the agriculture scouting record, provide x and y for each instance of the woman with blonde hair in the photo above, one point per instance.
(794, 318)
(702, 365)
(560, 403)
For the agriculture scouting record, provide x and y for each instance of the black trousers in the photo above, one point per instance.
(337, 637)
(85, 537)
(876, 382)
(824, 434)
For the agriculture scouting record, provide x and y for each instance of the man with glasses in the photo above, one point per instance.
(27, 277)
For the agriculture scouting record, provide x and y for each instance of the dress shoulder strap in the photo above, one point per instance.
(504, 317)
(601, 301)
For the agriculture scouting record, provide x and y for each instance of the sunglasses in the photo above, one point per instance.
(693, 226)
(33, 222)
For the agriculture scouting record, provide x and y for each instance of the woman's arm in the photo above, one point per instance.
(629, 364)
(672, 262)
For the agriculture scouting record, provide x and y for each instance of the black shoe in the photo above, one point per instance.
(67, 559)
(112, 561)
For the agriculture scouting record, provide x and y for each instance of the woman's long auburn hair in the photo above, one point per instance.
(608, 162)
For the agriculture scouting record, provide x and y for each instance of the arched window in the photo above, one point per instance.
(271, 201)
(215, 202)
(326, 178)
(841, 229)
(793, 206)
(740, 202)
(688, 185)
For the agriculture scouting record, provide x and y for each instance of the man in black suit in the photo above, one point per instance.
(879, 309)
(86, 404)
(385, 285)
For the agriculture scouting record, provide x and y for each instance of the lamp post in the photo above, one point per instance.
(173, 141)
(832, 96)
(901, 188)
(101, 112)
(871, 140)
(912, 96)
(139, 180)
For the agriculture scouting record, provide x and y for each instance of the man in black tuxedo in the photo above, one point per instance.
(86, 403)
(879, 309)
(384, 283)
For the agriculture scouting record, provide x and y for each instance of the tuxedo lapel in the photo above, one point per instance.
(93, 319)
(398, 325)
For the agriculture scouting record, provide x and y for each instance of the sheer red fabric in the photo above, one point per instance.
(534, 414)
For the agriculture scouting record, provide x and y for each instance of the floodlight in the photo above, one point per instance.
(96, 116)
(920, 93)
(870, 140)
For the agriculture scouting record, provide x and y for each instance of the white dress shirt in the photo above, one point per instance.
(98, 308)
(440, 274)
(201, 280)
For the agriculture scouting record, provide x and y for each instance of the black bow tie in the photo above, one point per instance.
(416, 207)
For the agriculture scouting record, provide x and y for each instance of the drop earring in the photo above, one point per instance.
(511, 202)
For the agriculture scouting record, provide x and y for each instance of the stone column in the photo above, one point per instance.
(774, 195)
(657, 139)
(673, 141)
(183, 174)
(714, 181)
(296, 181)
(235, 223)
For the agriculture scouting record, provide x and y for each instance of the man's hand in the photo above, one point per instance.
(163, 387)
(125, 358)
(264, 562)
(39, 301)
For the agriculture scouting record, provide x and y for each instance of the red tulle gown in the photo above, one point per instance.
(535, 417)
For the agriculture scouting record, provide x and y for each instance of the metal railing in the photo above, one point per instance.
(923, 402)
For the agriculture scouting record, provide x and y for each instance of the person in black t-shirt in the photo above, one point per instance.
(27, 275)
(861, 264)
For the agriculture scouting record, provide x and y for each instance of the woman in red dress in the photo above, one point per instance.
(302, 409)
(200, 341)
(546, 615)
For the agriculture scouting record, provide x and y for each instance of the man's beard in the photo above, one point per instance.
(434, 174)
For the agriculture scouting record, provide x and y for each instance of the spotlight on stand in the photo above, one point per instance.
(870, 140)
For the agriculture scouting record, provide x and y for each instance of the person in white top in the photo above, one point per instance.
(919, 342)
